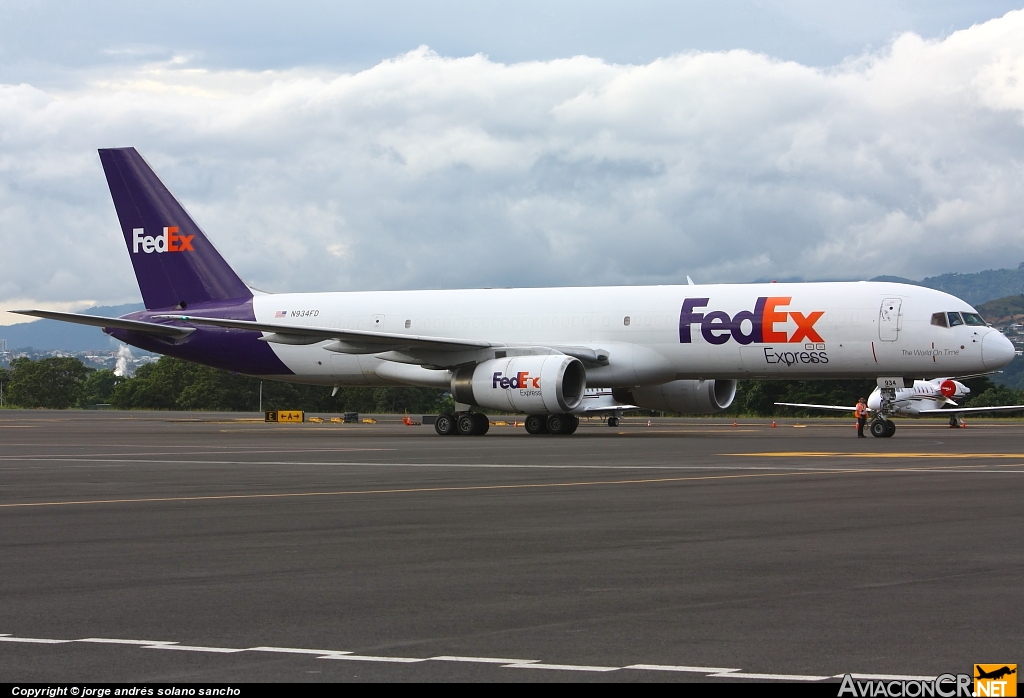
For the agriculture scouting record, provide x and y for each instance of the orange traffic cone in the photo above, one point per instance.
(774, 425)
(648, 422)
(734, 423)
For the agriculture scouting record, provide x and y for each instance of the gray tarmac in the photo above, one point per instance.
(668, 552)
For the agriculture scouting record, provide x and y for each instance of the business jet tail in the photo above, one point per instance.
(175, 264)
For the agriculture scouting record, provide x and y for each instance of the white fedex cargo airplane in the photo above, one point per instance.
(528, 350)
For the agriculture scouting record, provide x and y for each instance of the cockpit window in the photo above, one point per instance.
(974, 319)
(939, 319)
(954, 319)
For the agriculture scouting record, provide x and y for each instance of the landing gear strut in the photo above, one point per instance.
(881, 426)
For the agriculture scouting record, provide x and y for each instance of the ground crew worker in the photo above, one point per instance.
(862, 416)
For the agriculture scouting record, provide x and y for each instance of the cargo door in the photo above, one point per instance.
(890, 320)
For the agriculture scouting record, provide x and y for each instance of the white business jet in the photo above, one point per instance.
(926, 398)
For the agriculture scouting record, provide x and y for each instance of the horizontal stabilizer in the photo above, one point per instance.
(115, 323)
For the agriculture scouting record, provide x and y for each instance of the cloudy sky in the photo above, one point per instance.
(343, 145)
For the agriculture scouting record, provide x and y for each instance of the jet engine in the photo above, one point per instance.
(682, 397)
(548, 384)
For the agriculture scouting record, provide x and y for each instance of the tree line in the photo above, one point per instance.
(173, 384)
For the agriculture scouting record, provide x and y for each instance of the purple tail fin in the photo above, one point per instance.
(174, 262)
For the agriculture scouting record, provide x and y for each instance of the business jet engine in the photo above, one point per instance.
(682, 397)
(548, 384)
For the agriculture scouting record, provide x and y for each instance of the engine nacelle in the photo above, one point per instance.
(682, 397)
(548, 384)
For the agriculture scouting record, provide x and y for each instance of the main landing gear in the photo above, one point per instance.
(882, 428)
(476, 424)
(552, 423)
(462, 423)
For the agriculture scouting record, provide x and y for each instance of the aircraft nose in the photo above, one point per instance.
(996, 350)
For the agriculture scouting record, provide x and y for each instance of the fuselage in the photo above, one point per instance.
(651, 334)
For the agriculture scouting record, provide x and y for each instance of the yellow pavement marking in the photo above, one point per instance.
(477, 488)
(843, 454)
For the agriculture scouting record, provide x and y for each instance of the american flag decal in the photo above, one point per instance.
(281, 313)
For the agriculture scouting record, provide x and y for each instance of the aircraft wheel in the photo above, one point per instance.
(466, 423)
(613, 421)
(445, 424)
(890, 428)
(483, 423)
(878, 428)
(536, 424)
(954, 421)
(562, 423)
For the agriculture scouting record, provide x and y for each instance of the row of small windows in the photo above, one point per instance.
(954, 319)
(445, 323)
(948, 319)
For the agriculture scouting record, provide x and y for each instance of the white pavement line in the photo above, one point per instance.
(886, 677)
(118, 641)
(191, 648)
(296, 650)
(669, 667)
(770, 677)
(371, 658)
(484, 660)
(560, 667)
(35, 640)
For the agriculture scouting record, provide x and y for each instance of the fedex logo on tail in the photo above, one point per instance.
(168, 241)
(748, 326)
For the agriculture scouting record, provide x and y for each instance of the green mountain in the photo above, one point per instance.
(47, 335)
(975, 288)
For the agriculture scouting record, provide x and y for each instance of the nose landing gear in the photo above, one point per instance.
(882, 428)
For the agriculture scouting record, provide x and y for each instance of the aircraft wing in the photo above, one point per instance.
(834, 408)
(963, 410)
(605, 408)
(116, 323)
(301, 334)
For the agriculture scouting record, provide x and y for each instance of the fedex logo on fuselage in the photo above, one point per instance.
(168, 241)
(521, 380)
(748, 326)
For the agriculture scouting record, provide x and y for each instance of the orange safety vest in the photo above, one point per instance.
(862, 410)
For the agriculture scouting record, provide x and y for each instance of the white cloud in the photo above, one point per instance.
(426, 171)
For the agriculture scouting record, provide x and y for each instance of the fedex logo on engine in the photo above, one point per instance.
(749, 326)
(520, 381)
(168, 241)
